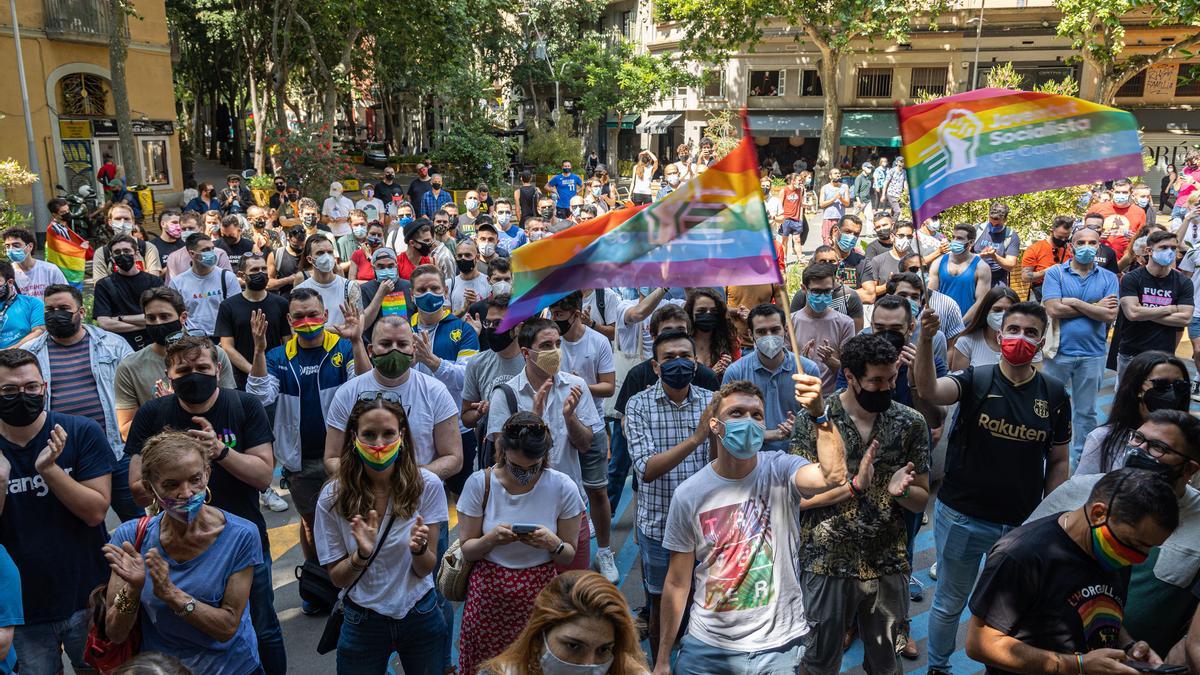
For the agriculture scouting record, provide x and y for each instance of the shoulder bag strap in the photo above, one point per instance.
(487, 491)
(387, 528)
(142, 526)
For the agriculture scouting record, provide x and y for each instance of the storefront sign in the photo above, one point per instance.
(74, 129)
(108, 127)
(77, 160)
(1164, 149)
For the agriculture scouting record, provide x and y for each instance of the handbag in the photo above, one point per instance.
(455, 570)
(315, 586)
(99, 652)
(333, 625)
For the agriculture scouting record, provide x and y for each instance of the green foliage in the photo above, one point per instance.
(262, 181)
(474, 154)
(1004, 76)
(724, 131)
(307, 155)
(12, 175)
(610, 74)
(547, 148)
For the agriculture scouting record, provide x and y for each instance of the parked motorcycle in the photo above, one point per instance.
(86, 217)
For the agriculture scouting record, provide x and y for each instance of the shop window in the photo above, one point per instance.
(1188, 83)
(155, 161)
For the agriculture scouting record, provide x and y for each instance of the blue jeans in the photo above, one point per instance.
(40, 645)
(1082, 376)
(122, 496)
(368, 638)
(618, 465)
(698, 657)
(961, 543)
(656, 560)
(266, 623)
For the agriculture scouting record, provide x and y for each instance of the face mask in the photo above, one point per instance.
(403, 221)
(393, 364)
(368, 194)
(997, 229)
(385, 273)
(471, 204)
(597, 191)
(1121, 199)
(706, 322)
(308, 327)
(378, 457)
(547, 212)
(995, 320)
(1143, 202)
(280, 187)
(673, 180)
(16, 255)
(935, 224)
(1164, 257)
(902, 243)
(120, 227)
(1084, 255)
(743, 437)
(208, 259)
(498, 341)
(501, 288)
(436, 186)
(124, 261)
(547, 361)
(173, 229)
(487, 249)
(576, 210)
(564, 325)
(677, 373)
(374, 241)
(324, 262)
(61, 323)
(309, 220)
(183, 510)
(359, 231)
(566, 171)
(538, 235)
(894, 338)
(1169, 399)
(914, 306)
(387, 177)
(158, 333)
(260, 224)
(552, 665)
(874, 401)
(957, 247)
(769, 346)
(523, 475)
(884, 235)
(1136, 458)
(819, 302)
(422, 247)
(194, 388)
(22, 409)
(1018, 349)
(1111, 552)
(256, 281)
(847, 241)
(429, 302)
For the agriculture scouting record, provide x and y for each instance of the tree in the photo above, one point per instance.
(118, 50)
(1098, 32)
(608, 73)
(714, 28)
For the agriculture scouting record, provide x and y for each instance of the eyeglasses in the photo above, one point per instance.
(1157, 449)
(11, 391)
(370, 396)
(913, 270)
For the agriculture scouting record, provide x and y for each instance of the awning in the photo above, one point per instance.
(657, 124)
(626, 122)
(806, 124)
(870, 128)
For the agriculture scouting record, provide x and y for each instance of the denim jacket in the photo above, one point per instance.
(106, 350)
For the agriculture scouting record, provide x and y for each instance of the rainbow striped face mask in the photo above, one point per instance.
(1111, 551)
(309, 326)
(378, 457)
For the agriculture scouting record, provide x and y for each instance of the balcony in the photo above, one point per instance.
(79, 20)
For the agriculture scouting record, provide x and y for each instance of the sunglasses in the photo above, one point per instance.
(1177, 387)
(370, 396)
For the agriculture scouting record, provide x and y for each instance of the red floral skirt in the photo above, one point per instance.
(499, 602)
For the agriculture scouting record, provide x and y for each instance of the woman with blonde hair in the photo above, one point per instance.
(382, 505)
(580, 623)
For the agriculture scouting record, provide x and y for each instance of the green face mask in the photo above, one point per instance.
(393, 364)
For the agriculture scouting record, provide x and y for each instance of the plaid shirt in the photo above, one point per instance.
(430, 203)
(654, 424)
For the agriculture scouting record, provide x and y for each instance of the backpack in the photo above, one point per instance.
(981, 385)
(481, 426)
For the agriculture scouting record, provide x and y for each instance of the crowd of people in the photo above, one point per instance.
(783, 451)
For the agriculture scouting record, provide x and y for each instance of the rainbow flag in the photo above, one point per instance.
(394, 304)
(711, 231)
(997, 142)
(68, 250)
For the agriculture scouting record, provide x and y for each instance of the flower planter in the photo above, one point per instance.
(261, 197)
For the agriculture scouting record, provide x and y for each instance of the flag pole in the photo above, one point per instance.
(781, 296)
(916, 223)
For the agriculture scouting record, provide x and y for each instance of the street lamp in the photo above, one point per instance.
(544, 53)
(40, 213)
(978, 33)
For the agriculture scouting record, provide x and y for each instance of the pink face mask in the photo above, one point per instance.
(174, 229)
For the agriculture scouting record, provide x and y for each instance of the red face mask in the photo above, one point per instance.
(1018, 349)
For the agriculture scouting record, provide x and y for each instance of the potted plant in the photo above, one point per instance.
(261, 186)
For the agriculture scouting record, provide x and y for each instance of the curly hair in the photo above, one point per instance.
(353, 494)
(724, 339)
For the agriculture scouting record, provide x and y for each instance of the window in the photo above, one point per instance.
(874, 82)
(626, 24)
(766, 82)
(1032, 76)
(714, 83)
(810, 84)
(83, 94)
(154, 161)
(1134, 86)
(1188, 83)
(928, 81)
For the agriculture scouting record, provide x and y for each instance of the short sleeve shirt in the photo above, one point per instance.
(19, 317)
(426, 400)
(120, 295)
(554, 497)
(12, 610)
(1152, 291)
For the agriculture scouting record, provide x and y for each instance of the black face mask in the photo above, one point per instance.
(422, 247)
(1140, 459)
(61, 324)
(465, 266)
(256, 281)
(4, 291)
(564, 325)
(123, 261)
(21, 410)
(706, 322)
(158, 333)
(194, 388)
(1169, 399)
(874, 401)
(280, 187)
(496, 340)
(894, 338)
(547, 212)
(436, 186)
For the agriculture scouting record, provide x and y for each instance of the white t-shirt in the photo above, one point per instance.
(334, 294)
(372, 207)
(747, 596)
(388, 586)
(613, 307)
(34, 282)
(426, 400)
(335, 208)
(1191, 260)
(203, 295)
(589, 358)
(459, 285)
(553, 497)
(974, 347)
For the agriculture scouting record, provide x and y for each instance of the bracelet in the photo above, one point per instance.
(422, 550)
(358, 567)
(561, 545)
(1079, 660)
(223, 454)
(822, 419)
(854, 491)
(125, 603)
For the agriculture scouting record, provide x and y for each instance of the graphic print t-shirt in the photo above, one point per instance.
(1041, 588)
(1152, 291)
(744, 536)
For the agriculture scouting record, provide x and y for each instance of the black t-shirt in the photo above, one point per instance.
(233, 320)
(1151, 291)
(235, 250)
(1107, 258)
(166, 248)
(119, 295)
(1041, 588)
(853, 269)
(996, 459)
(642, 376)
(58, 554)
(239, 420)
(368, 291)
(384, 192)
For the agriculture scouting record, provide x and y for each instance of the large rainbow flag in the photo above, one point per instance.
(711, 231)
(68, 250)
(996, 142)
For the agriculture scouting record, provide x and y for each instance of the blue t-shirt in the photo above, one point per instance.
(20, 318)
(203, 578)
(58, 554)
(12, 612)
(777, 387)
(1080, 336)
(566, 186)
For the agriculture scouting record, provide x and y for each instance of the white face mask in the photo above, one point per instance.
(486, 249)
(995, 320)
(471, 204)
(902, 243)
(673, 179)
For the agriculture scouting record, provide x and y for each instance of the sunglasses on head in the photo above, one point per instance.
(370, 396)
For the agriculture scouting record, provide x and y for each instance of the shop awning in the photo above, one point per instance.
(625, 122)
(806, 124)
(657, 124)
(870, 127)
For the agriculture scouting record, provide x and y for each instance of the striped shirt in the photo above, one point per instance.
(72, 383)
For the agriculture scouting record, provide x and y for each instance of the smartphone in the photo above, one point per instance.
(1165, 669)
(523, 528)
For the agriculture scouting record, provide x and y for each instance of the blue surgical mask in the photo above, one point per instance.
(359, 231)
(1084, 255)
(404, 221)
(208, 258)
(957, 246)
(820, 301)
(16, 255)
(743, 437)
(1121, 199)
(914, 306)
(1143, 202)
(183, 510)
(429, 302)
(385, 273)
(847, 241)
(677, 373)
(1164, 257)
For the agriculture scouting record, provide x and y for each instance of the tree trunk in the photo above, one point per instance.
(214, 145)
(197, 127)
(831, 125)
(118, 50)
(537, 108)
(258, 109)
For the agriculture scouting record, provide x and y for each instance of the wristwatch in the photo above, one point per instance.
(822, 419)
(189, 607)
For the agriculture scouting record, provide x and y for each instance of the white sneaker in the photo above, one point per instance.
(607, 565)
(271, 499)
(933, 571)
(591, 527)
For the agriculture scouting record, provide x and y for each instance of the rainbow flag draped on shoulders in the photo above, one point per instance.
(998, 142)
(711, 231)
(66, 249)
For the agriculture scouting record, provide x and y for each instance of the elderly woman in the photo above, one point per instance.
(188, 584)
